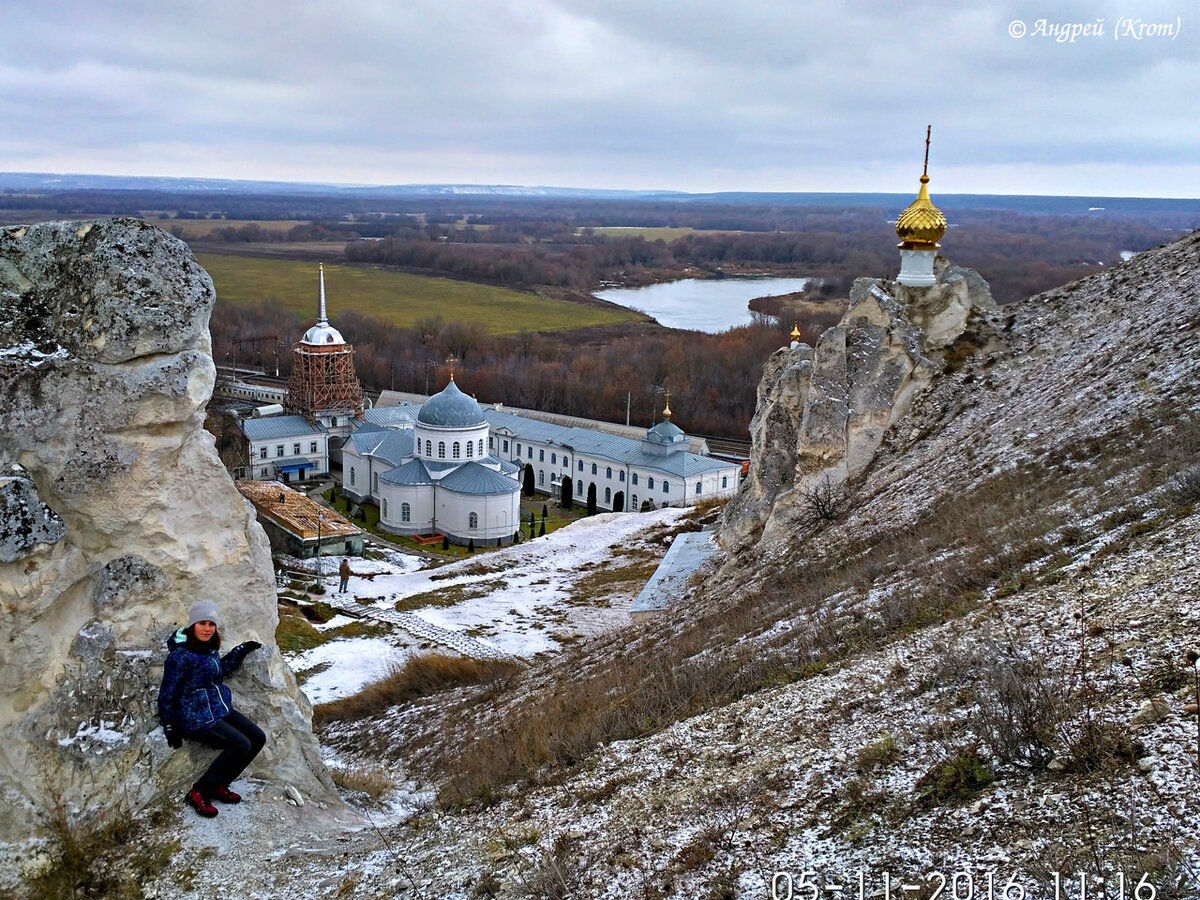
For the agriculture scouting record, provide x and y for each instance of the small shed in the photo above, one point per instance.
(299, 526)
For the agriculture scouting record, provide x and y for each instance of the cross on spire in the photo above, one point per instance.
(925, 168)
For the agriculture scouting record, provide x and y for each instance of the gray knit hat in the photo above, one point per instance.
(202, 611)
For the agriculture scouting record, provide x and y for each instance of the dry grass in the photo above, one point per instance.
(374, 781)
(419, 676)
(450, 595)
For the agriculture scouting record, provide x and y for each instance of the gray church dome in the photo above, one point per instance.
(451, 408)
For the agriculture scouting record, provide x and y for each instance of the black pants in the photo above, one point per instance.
(239, 741)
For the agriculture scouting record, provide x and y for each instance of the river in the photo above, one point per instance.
(702, 304)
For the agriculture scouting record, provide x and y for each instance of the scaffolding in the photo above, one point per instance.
(323, 381)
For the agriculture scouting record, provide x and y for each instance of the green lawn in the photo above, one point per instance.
(650, 234)
(395, 296)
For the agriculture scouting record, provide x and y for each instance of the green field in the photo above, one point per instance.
(395, 296)
(201, 228)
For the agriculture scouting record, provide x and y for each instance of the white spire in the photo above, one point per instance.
(321, 312)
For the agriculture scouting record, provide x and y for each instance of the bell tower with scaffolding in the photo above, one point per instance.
(323, 386)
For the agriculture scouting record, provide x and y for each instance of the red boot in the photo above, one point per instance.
(200, 803)
(225, 795)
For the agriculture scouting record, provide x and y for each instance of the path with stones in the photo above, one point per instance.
(415, 625)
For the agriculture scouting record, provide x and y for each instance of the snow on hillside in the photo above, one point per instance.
(520, 600)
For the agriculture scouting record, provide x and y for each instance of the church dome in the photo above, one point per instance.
(922, 225)
(451, 408)
(322, 335)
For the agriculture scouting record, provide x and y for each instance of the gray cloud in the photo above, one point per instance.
(697, 95)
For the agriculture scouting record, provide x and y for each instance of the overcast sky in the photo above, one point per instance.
(692, 95)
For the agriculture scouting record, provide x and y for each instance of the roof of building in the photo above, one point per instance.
(669, 581)
(276, 427)
(666, 432)
(623, 450)
(451, 408)
(294, 511)
(395, 448)
(412, 472)
(404, 414)
(473, 478)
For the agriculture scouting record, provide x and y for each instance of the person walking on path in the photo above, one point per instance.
(194, 703)
(344, 574)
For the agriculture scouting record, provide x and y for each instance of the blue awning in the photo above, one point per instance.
(298, 467)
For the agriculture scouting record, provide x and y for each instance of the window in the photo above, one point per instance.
(608, 472)
(385, 509)
(473, 520)
(699, 488)
(666, 486)
(506, 446)
(470, 449)
(279, 449)
(375, 482)
(456, 450)
(429, 449)
(405, 512)
(633, 507)
(518, 449)
(635, 478)
(541, 455)
(541, 476)
(554, 459)
(262, 452)
(352, 476)
(650, 483)
(608, 495)
(441, 449)
(491, 442)
(312, 447)
(579, 490)
(295, 449)
(333, 422)
(481, 446)
(581, 465)
(621, 476)
(530, 452)
(595, 468)
(724, 481)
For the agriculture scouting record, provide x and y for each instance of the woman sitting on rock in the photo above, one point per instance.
(193, 702)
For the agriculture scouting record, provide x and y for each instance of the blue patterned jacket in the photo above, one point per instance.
(193, 696)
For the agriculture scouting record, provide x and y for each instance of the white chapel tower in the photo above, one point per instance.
(919, 228)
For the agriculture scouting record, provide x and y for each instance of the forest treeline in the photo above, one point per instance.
(713, 378)
(1018, 254)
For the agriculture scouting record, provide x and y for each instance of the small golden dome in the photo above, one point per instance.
(922, 225)
(796, 331)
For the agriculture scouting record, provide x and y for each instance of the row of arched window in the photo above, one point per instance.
(456, 449)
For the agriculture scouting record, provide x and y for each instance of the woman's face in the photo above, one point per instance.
(205, 630)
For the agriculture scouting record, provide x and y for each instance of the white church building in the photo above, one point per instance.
(449, 466)
(433, 474)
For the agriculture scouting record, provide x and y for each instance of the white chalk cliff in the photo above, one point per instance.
(115, 516)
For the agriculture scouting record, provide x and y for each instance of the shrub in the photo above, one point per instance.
(419, 676)
(820, 504)
(1184, 486)
(956, 778)
(1020, 706)
(374, 781)
(877, 753)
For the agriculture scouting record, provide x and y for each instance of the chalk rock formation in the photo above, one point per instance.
(115, 516)
(822, 412)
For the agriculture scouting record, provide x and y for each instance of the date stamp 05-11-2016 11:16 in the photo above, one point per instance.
(961, 885)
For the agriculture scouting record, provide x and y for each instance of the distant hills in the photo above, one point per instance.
(48, 183)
